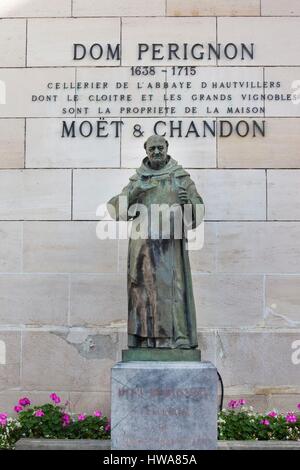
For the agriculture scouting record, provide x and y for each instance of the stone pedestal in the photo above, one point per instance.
(164, 405)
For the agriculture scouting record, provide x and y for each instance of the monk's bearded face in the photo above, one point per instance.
(157, 152)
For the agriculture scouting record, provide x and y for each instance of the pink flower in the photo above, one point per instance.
(3, 419)
(39, 413)
(298, 406)
(291, 418)
(98, 413)
(81, 417)
(272, 414)
(107, 427)
(236, 403)
(265, 422)
(18, 408)
(66, 419)
(55, 398)
(24, 401)
(233, 404)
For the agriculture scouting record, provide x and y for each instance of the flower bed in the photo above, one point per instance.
(50, 421)
(240, 423)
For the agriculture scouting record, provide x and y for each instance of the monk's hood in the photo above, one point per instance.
(171, 167)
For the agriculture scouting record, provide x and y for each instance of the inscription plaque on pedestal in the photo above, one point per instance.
(164, 405)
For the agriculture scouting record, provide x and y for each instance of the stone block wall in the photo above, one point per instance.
(63, 304)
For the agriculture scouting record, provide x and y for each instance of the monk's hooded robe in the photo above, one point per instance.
(161, 309)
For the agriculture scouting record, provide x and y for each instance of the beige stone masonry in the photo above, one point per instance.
(283, 195)
(91, 299)
(50, 41)
(275, 39)
(34, 299)
(10, 371)
(261, 361)
(279, 148)
(222, 300)
(259, 247)
(32, 8)
(28, 194)
(232, 194)
(118, 8)
(213, 7)
(91, 189)
(68, 368)
(282, 301)
(55, 151)
(12, 43)
(10, 247)
(67, 247)
(279, 8)
(12, 143)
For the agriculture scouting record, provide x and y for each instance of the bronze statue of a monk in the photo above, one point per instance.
(161, 309)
